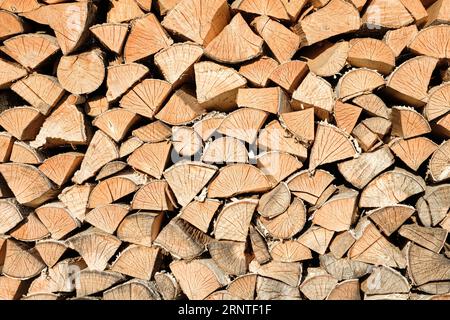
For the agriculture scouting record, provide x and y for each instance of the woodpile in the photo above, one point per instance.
(213, 149)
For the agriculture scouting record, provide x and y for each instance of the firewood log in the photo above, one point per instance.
(133, 290)
(111, 35)
(259, 71)
(11, 24)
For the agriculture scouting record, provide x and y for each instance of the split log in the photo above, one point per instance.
(386, 14)
(11, 24)
(385, 280)
(137, 261)
(132, 290)
(61, 167)
(76, 198)
(289, 75)
(327, 59)
(278, 165)
(123, 10)
(167, 285)
(432, 207)
(430, 238)
(121, 77)
(154, 132)
(425, 265)
(200, 214)
(116, 122)
(91, 281)
(57, 219)
(107, 217)
(259, 71)
(243, 124)
(439, 165)
(390, 218)
(111, 35)
(50, 251)
(438, 102)
(436, 13)
(413, 151)
(32, 229)
(433, 46)
(140, 228)
(398, 39)
(155, 195)
(309, 187)
(182, 108)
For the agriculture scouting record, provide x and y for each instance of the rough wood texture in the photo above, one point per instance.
(224, 149)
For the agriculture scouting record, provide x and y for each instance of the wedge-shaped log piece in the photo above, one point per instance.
(29, 185)
(111, 35)
(346, 290)
(281, 41)
(344, 269)
(95, 247)
(378, 125)
(11, 24)
(96, 105)
(22, 152)
(237, 179)
(389, 14)
(269, 289)
(438, 102)
(6, 145)
(155, 195)
(300, 123)
(426, 266)
(133, 290)
(167, 285)
(385, 280)
(187, 179)
(432, 42)
(338, 213)
(309, 187)
(65, 125)
(434, 205)
(140, 228)
(408, 123)
(290, 251)
(123, 10)
(435, 287)
(430, 238)
(398, 39)
(390, 188)
(243, 286)
(144, 4)
(198, 278)
(234, 220)
(11, 214)
(146, 37)
(199, 213)
(287, 224)
(57, 219)
(186, 142)
(316, 239)
(346, 115)
(101, 150)
(315, 92)
(358, 82)
(20, 262)
(327, 59)
(71, 27)
(417, 9)
(278, 165)
(217, 85)
(128, 146)
(107, 217)
(208, 125)
(439, 166)
(19, 5)
(372, 247)
(32, 229)
(258, 71)
(151, 158)
(154, 132)
(272, 100)
(31, 50)
(373, 105)
(182, 240)
(360, 171)
(337, 17)
(288, 75)
(287, 272)
(331, 145)
(76, 198)
(373, 54)
(111, 190)
(235, 43)
(61, 167)
(413, 151)
(41, 91)
(437, 12)
(367, 140)
(409, 82)
(229, 256)
(22, 122)
(341, 243)
(123, 76)
(89, 66)
(110, 169)
(259, 246)
(276, 138)
(116, 122)
(197, 21)
(181, 108)
(137, 261)
(92, 281)
(243, 124)
(50, 251)
(176, 62)
(225, 150)
(272, 8)
(390, 218)
(318, 287)
(274, 202)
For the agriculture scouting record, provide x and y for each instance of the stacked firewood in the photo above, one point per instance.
(213, 149)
